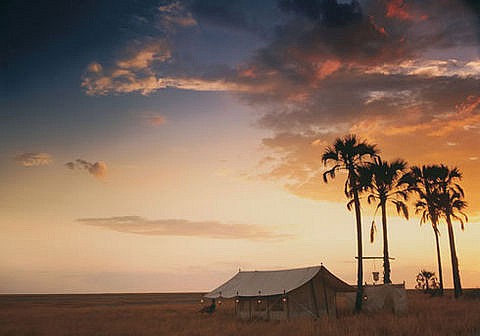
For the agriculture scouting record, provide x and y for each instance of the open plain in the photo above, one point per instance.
(177, 314)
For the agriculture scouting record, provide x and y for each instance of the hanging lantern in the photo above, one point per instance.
(284, 299)
(376, 276)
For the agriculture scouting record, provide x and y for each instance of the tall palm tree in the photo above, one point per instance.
(450, 198)
(423, 182)
(441, 195)
(348, 154)
(381, 180)
(432, 214)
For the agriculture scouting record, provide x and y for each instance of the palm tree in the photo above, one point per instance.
(348, 154)
(423, 181)
(450, 198)
(432, 214)
(381, 180)
(440, 195)
(426, 281)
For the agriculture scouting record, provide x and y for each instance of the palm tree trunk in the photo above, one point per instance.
(358, 217)
(439, 259)
(386, 257)
(453, 254)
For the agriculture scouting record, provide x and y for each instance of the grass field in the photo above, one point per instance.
(177, 314)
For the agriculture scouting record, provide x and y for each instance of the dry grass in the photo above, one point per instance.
(176, 314)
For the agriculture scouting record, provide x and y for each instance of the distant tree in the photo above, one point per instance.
(381, 180)
(348, 154)
(426, 281)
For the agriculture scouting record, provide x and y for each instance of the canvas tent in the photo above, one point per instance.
(391, 298)
(283, 294)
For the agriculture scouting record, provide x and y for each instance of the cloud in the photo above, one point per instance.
(33, 159)
(380, 68)
(175, 14)
(402, 10)
(156, 120)
(182, 227)
(146, 70)
(97, 169)
(431, 68)
(94, 67)
(141, 59)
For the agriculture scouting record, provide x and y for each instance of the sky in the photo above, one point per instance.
(161, 146)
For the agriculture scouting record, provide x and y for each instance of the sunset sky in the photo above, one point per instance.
(158, 146)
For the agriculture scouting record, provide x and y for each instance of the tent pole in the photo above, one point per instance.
(326, 296)
(315, 304)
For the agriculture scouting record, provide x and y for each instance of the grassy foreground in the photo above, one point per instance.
(176, 314)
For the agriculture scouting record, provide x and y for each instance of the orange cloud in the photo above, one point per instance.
(398, 9)
(182, 227)
(430, 68)
(137, 73)
(144, 57)
(33, 159)
(97, 169)
(156, 120)
(94, 67)
(327, 68)
(401, 10)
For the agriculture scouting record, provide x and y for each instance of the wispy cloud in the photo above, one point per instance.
(97, 169)
(175, 14)
(145, 71)
(33, 159)
(431, 68)
(156, 120)
(183, 227)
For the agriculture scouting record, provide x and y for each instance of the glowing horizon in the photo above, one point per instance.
(160, 147)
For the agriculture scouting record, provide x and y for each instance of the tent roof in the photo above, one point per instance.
(265, 283)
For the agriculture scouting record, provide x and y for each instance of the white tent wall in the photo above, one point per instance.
(389, 298)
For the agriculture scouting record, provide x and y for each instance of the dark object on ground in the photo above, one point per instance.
(210, 309)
